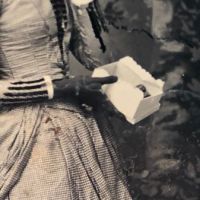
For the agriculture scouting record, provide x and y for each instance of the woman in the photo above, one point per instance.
(51, 147)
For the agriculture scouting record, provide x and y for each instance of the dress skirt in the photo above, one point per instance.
(70, 159)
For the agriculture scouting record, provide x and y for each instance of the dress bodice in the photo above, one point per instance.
(28, 39)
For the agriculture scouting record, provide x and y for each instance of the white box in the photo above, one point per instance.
(125, 95)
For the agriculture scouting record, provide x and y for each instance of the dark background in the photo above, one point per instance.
(161, 153)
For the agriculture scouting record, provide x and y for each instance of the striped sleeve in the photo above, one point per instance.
(24, 91)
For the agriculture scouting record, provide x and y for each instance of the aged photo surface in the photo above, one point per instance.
(99, 100)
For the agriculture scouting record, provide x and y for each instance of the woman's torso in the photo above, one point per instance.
(29, 48)
(28, 39)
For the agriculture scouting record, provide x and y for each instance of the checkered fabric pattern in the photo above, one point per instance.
(71, 159)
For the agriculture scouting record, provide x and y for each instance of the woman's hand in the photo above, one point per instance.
(81, 85)
(88, 91)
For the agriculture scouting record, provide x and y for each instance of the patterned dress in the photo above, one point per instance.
(52, 149)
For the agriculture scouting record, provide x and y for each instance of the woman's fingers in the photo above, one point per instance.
(95, 86)
(105, 80)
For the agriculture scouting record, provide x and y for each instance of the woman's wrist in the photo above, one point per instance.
(57, 89)
(61, 88)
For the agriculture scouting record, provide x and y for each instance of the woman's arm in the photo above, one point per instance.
(83, 34)
(36, 90)
(25, 90)
(22, 90)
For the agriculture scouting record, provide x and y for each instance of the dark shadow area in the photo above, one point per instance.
(162, 152)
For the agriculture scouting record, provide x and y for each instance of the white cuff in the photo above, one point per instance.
(49, 85)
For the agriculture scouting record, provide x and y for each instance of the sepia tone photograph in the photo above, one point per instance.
(99, 100)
